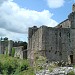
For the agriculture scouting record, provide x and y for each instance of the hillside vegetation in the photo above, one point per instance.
(14, 66)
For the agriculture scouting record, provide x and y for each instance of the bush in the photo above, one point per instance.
(71, 73)
(14, 66)
(13, 52)
(1, 68)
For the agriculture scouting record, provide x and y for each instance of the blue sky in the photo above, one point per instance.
(17, 15)
(60, 13)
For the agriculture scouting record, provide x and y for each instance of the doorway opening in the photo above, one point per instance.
(71, 58)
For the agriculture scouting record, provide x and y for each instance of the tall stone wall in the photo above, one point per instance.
(65, 43)
(18, 52)
(10, 45)
(49, 42)
(73, 43)
(3, 46)
(72, 20)
(34, 43)
(56, 43)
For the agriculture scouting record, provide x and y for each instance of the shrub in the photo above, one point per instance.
(1, 68)
(9, 66)
(13, 52)
(71, 73)
(13, 66)
(24, 65)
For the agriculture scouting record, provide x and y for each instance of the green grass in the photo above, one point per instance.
(13, 66)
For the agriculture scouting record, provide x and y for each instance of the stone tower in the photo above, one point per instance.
(10, 45)
(30, 52)
(72, 31)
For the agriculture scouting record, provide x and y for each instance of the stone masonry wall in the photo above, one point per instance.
(56, 42)
(18, 52)
(64, 24)
(34, 43)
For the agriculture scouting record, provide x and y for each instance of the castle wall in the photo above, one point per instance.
(37, 40)
(73, 44)
(3, 46)
(10, 45)
(72, 20)
(24, 54)
(56, 42)
(49, 43)
(34, 43)
(18, 52)
(64, 24)
(65, 44)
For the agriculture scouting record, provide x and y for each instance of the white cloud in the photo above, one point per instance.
(2, 32)
(55, 3)
(1, 1)
(13, 35)
(16, 20)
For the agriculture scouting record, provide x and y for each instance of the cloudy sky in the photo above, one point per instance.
(17, 15)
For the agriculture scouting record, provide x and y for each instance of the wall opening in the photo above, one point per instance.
(60, 34)
(71, 58)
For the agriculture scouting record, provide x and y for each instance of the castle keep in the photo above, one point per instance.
(57, 43)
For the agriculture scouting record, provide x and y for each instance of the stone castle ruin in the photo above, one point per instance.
(56, 43)
(6, 46)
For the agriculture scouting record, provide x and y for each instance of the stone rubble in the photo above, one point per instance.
(56, 71)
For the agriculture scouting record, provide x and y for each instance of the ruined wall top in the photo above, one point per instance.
(73, 7)
(64, 24)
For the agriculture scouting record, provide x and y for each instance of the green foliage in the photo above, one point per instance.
(14, 66)
(26, 72)
(71, 73)
(39, 62)
(13, 52)
(1, 68)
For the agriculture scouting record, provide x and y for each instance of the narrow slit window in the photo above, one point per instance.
(60, 34)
